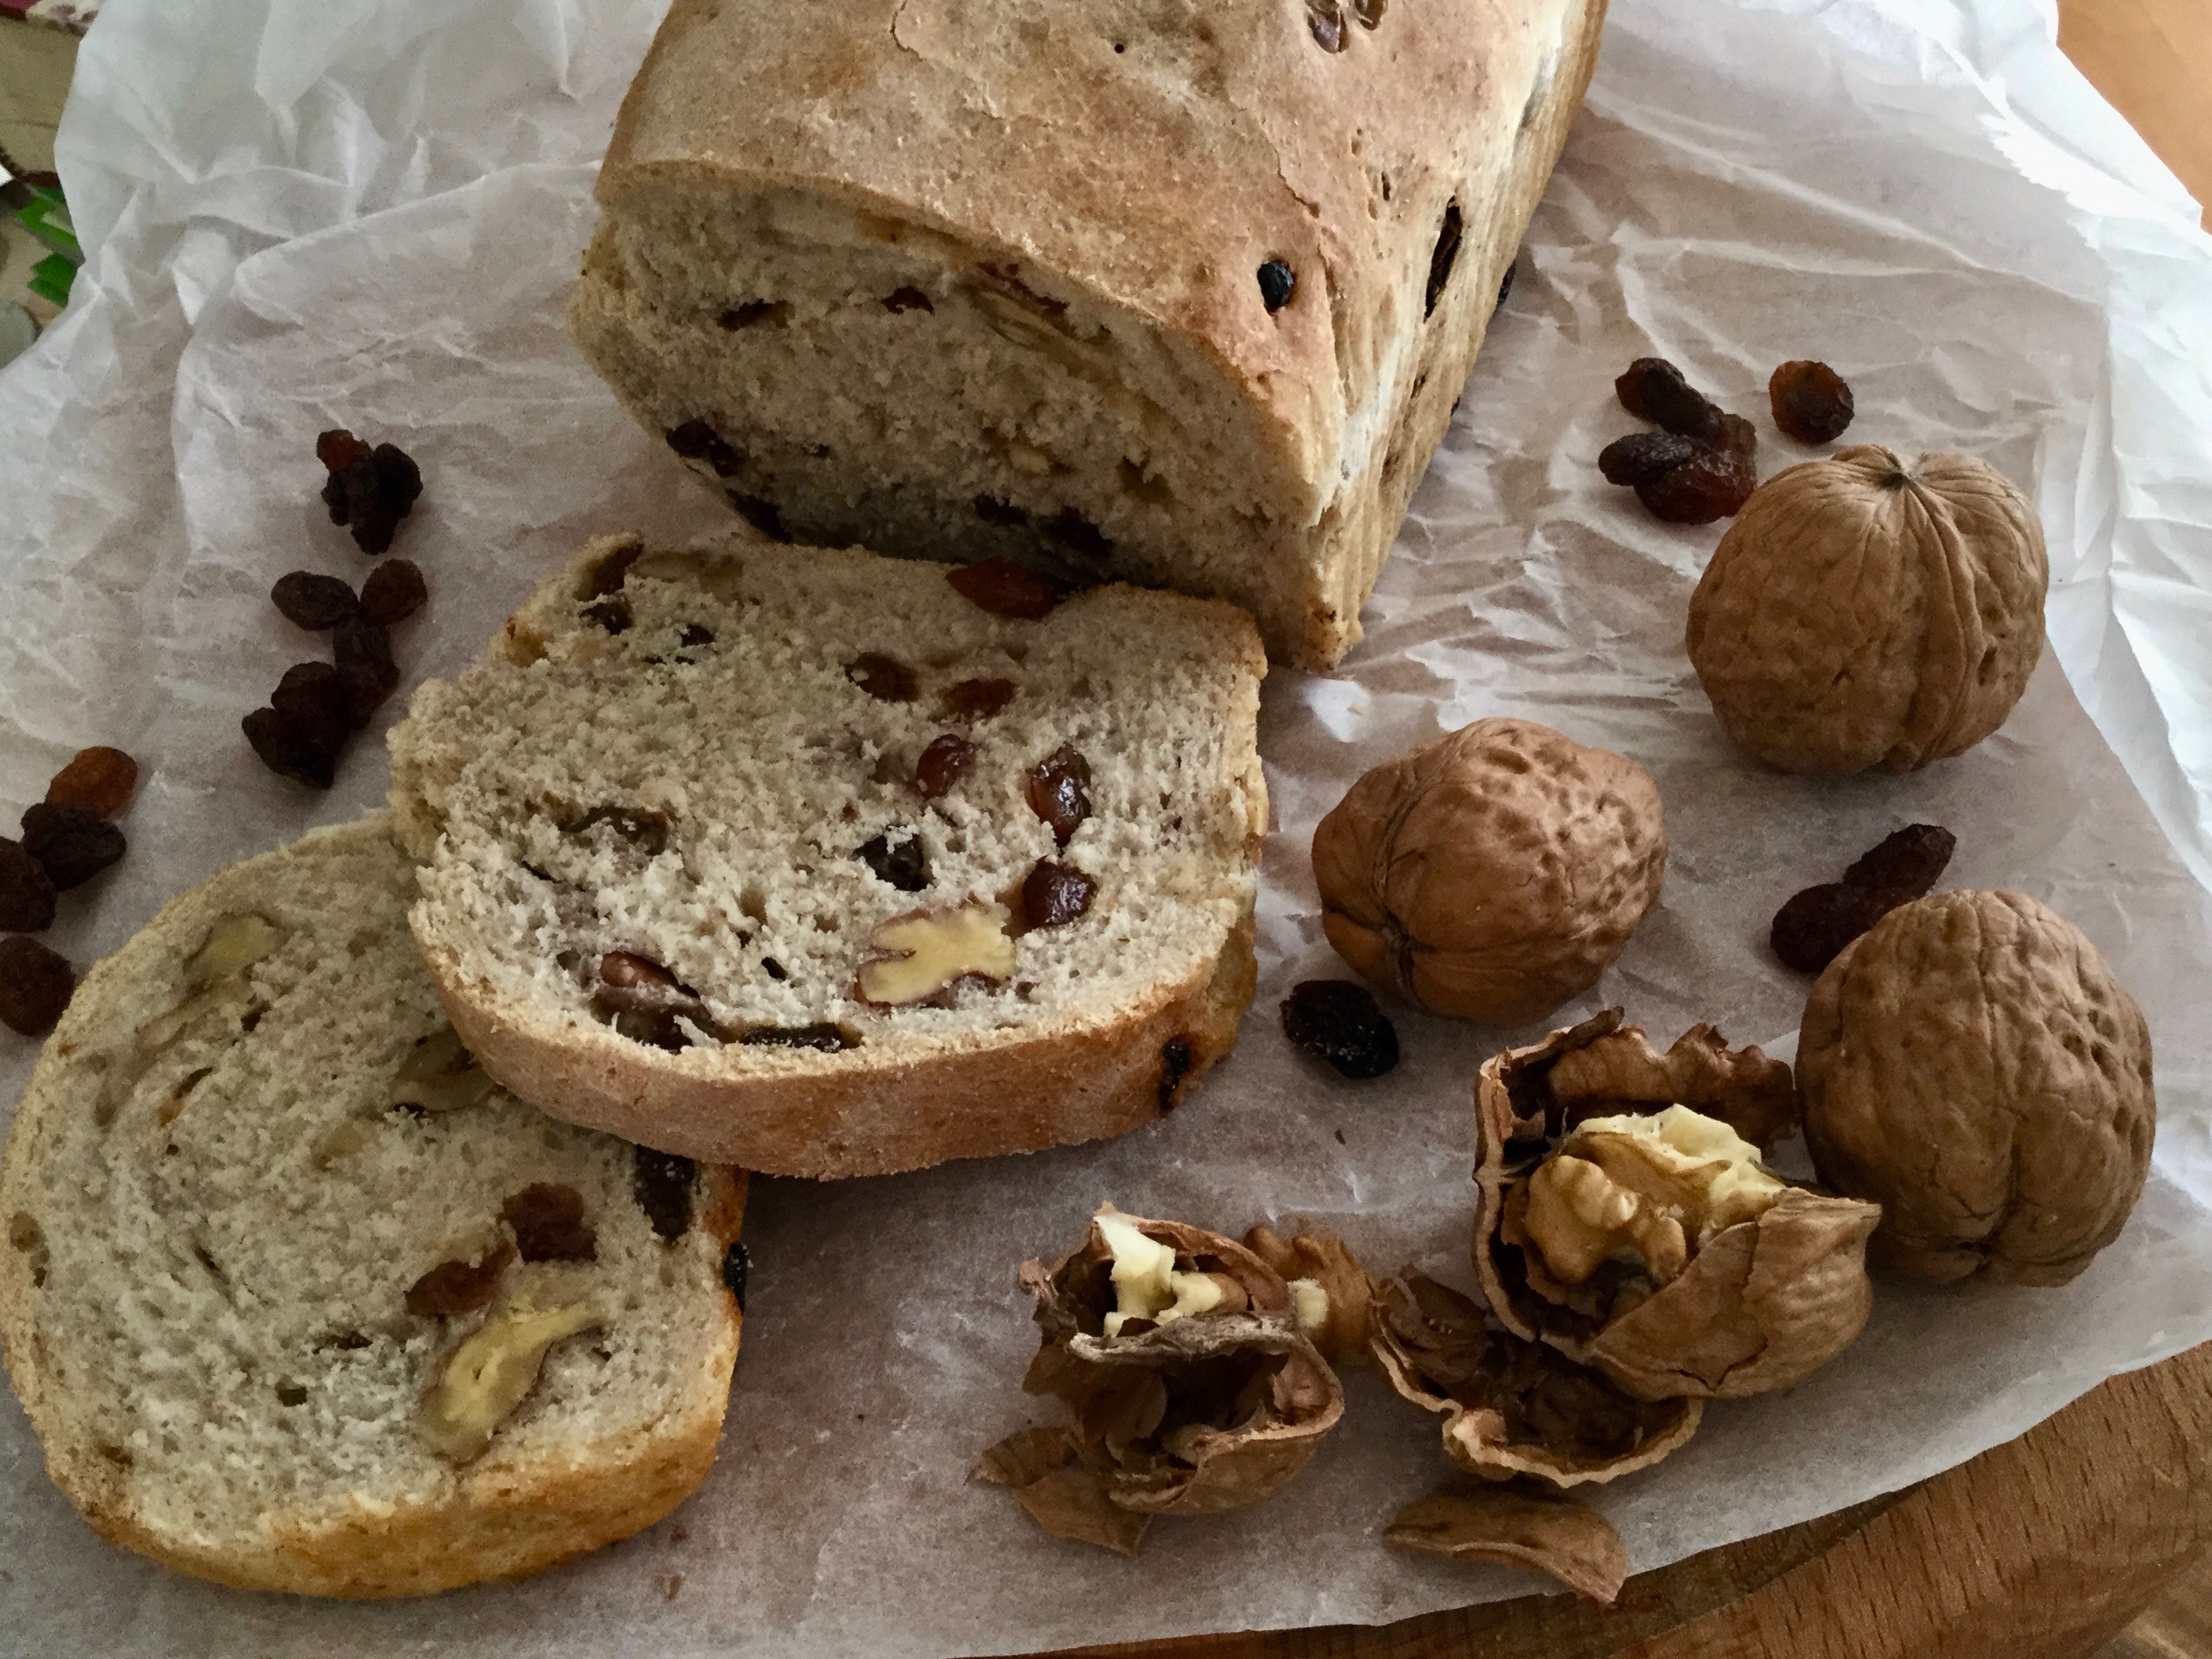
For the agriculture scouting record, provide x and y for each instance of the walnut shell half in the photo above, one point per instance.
(1492, 874)
(1972, 1063)
(1641, 1234)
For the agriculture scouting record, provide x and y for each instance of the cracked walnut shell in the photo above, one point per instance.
(1492, 874)
(1971, 1063)
(1860, 614)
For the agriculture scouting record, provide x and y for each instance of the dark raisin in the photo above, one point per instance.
(829, 1039)
(291, 748)
(943, 764)
(369, 490)
(752, 313)
(548, 1225)
(1812, 403)
(1739, 437)
(975, 700)
(362, 651)
(454, 1288)
(395, 590)
(1060, 792)
(1642, 456)
(662, 1183)
(1910, 861)
(1369, 12)
(1711, 484)
(1005, 588)
(630, 982)
(902, 300)
(646, 831)
(613, 615)
(905, 866)
(72, 844)
(1338, 1021)
(737, 1269)
(312, 699)
(1506, 286)
(1277, 283)
(1004, 513)
(313, 602)
(27, 892)
(1054, 895)
(694, 441)
(1325, 20)
(1653, 389)
(99, 780)
(884, 678)
(763, 515)
(1176, 1058)
(1444, 256)
(1812, 928)
(691, 636)
(609, 575)
(35, 985)
(774, 969)
(338, 449)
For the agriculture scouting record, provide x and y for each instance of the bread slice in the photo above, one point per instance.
(709, 762)
(219, 1222)
(1182, 295)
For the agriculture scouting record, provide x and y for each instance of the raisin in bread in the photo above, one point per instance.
(280, 1257)
(1180, 294)
(804, 860)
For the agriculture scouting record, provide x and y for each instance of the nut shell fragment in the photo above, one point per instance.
(1521, 1524)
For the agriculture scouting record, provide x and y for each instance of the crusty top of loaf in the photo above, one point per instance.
(1155, 152)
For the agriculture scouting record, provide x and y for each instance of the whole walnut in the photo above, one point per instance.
(1857, 614)
(1971, 1064)
(1493, 873)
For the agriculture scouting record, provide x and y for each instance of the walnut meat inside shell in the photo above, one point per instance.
(1492, 874)
(1971, 1063)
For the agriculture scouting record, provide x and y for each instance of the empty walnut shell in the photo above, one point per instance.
(1492, 874)
(1652, 1246)
(1971, 1063)
(1511, 1407)
(1860, 613)
(1182, 1415)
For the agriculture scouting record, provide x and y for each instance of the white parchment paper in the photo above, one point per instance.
(306, 213)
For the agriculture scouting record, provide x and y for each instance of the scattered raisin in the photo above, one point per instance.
(1445, 256)
(662, 1183)
(737, 1269)
(1054, 895)
(905, 866)
(943, 764)
(1277, 283)
(1176, 1058)
(1711, 484)
(751, 313)
(609, 575)
(1005, 588)
(312, 698)
(27, 892)
(884, 678)
(1060, 792)
(1338, 1021)
(454, 1288)
(646, 831)
(1910, 859)
(1653, 389)
(1812, 928)
(313, 602)
(900, 300)
(1642, 456)
(763, 515)
(291, 748)
(369, 491)
(1812, 403)
(694, 441)
(548, 1225)
(362, 651)
(99, 780)
(991, 509)
(339, 449)
(975, 700)
(1081, 538)
(35, 985)
(830, 1039)
(395, 591)
(613, 615)
(72, 844)
(1326, 22)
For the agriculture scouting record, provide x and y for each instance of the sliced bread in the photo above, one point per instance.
(810, 861)
(279, 1256)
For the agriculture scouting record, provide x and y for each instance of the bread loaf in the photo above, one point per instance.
(1177, 292)
(804, 860)
(266, 1226)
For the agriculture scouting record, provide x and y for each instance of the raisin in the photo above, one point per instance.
(646, 831)
(763, 515)
(1005, 588)
(1060, 792)
(454, 1288)
(774, 969)
(369, 491)
(99, 780)
(1653, 389)
(694, 441)
(1335, 1020)
(630, 982)
(312, 698)
(1446, 255)
(900, 300)
(1369, 12)
(72, 844)
(395, 591)
(905, 866)
(884, 678)
(35, 985)
(1812, 929)
(27, 892)
(1176, 1058)
(1325, 20)
(339, 449)
(1642, 456)
(362, 651)
(975, 700)
(829, 1039)
(1711, 484)
(662, 1183)
(548, 1225)
(1506, 286)
(1812, 403)
(1910, 861)
(292, 748)
(1081, 538)
(612, 615)
(1277, 283)
(991, 509)
(313, 602)
(751, 313)
(737, 1269)
(1054, 895)
(609, 575)
(943, 764)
